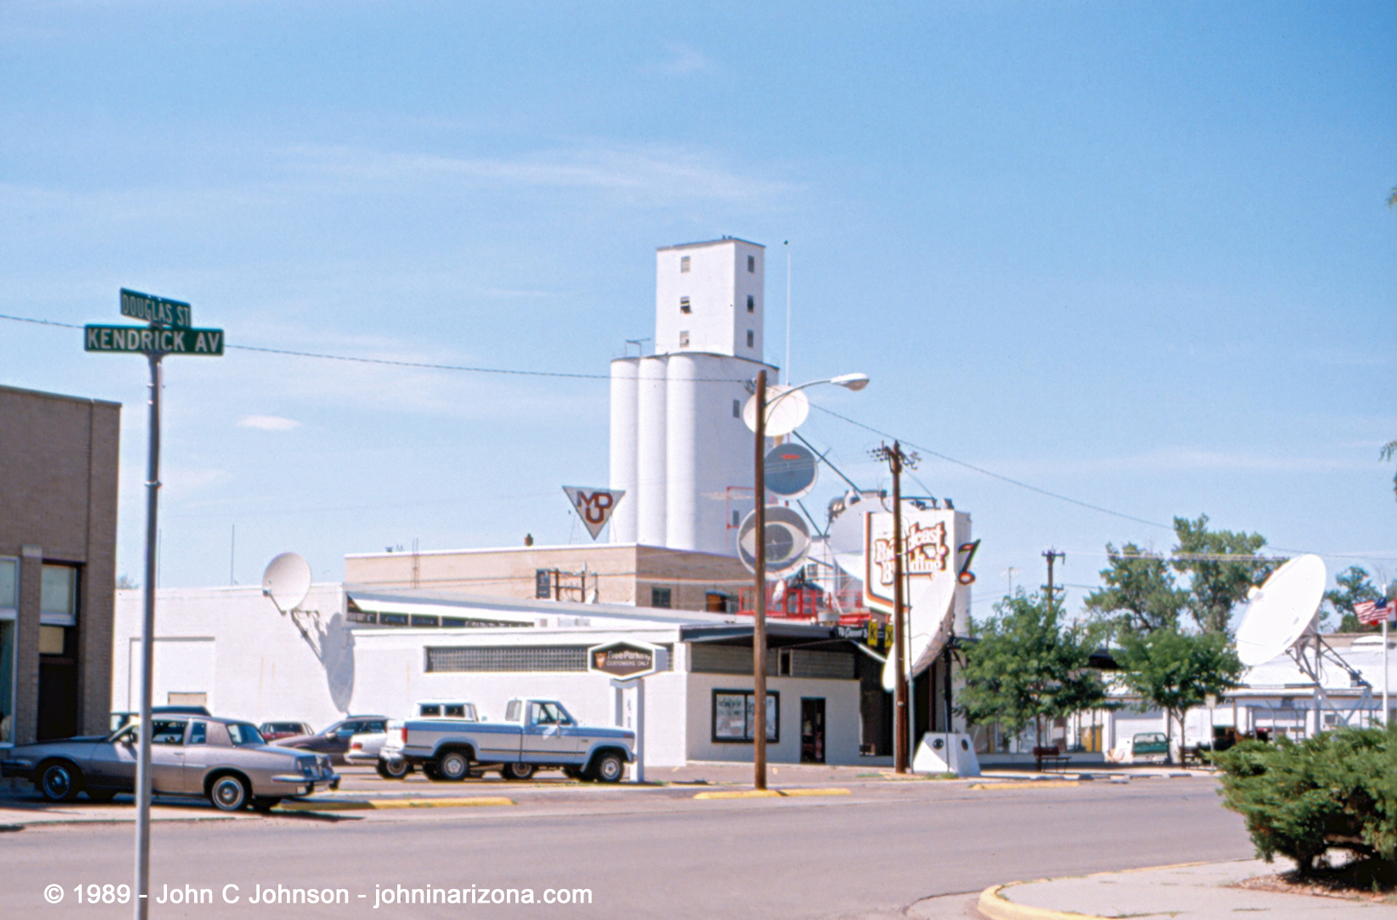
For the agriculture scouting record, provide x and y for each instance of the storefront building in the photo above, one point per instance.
(58, 505)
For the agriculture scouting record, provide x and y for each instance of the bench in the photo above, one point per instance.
(1051, 756)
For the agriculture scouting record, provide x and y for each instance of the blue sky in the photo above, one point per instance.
(1137, 255)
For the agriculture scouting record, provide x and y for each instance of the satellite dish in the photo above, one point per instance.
(784, 414)
(287, 581)
(1281, 610)
(791, 470)
(787, 540)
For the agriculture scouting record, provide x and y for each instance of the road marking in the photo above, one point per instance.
(770, 793)
(361, 804)
(1031, 784)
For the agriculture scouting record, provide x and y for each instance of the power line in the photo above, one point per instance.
(981, 470)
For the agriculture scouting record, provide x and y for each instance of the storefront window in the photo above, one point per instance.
(7, 681)
(58, 601)
(9, 603)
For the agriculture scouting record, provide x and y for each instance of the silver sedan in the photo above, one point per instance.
(225, 760)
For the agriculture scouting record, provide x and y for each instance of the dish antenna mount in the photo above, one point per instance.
(1280, 621)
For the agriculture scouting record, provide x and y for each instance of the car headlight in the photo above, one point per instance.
(306, 765)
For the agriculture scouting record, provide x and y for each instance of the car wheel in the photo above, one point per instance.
(101, 795)
(429, 770)
(454, 766)
(393, 769)
(609, 767)
(517, 770)
(229, 793)
(59, 781)
(573, 773)
(265, 803)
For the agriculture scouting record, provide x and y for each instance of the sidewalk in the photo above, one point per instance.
(1191, 892)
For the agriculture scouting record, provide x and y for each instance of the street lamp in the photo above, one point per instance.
(760, 416)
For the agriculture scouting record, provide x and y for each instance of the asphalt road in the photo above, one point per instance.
(655, 853)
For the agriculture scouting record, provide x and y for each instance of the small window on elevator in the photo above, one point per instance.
(737, 408)
(751, 263)
(751, 304)
(683, 263)
(684, 305)
(751, 339)
(683, 338)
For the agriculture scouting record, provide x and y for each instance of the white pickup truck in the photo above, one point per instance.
(535, 734)
(388, 758)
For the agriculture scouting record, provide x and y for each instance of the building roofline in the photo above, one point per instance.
(82, 400)
(726, 239)
(705, 354)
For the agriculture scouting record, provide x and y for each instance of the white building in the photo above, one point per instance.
(352, 651)
(679, 447)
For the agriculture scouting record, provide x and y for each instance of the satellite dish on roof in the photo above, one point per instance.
(783, 413)
(791, 470)
(287, 581)
(1281, 610)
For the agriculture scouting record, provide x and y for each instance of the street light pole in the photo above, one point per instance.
(759, 620)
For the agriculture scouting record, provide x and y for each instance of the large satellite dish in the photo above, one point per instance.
(783, 413)
(787, 540)
(791, 470)
(287, 581)
(1281, 610)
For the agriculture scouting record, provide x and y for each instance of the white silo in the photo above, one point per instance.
(678, 443)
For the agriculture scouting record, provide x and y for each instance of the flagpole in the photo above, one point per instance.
(1385, 710)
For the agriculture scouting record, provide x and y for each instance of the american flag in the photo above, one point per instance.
(1371, 612)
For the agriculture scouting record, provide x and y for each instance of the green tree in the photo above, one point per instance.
(1140, 593)
(1217, 583)
(1177, 671)
(1026, 667)
(1353, 588)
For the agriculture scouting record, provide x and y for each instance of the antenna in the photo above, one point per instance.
(287, 581)
(1281, 610)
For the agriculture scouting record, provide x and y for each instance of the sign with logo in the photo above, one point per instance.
(594, 506)
(625, 659)
(937, 550)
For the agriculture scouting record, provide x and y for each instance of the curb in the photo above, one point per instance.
(362, 804)
(997, 907)
(771, 793)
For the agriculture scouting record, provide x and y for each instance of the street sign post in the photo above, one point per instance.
(169, 333)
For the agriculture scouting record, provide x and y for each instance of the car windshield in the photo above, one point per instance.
(244, 733)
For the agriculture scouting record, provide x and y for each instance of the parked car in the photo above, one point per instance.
(1141, 747)
(364, 748)
(391, 763)
(535, 733)
(334, 740)
(275, 731)
(223, 759)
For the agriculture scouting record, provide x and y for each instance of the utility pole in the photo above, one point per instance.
(896, 461)
(759, 619)
(1051, 555)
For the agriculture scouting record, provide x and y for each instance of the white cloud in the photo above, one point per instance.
(268, 423)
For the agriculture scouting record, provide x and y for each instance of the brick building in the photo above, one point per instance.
(58, 504)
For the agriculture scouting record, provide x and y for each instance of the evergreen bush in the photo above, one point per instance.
(1335, 790)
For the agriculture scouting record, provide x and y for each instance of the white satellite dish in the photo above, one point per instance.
(1281, 610)
(783, 413)
(287, 581)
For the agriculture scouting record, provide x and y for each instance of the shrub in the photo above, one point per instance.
(1338, 789)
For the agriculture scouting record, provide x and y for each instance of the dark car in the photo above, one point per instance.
(275, 731)
(334, 740)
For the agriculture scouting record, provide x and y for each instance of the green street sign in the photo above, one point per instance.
(156, 309)
(145, 340)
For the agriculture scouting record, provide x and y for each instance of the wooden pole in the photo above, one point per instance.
(902, 727)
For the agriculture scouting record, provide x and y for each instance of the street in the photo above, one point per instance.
(653, 852)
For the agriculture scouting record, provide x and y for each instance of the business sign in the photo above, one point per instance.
(937, 551)
(159, 310)
(625, 659)
(594, 506)
(148, 340)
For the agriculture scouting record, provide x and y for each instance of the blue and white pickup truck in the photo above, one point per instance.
(535, 734)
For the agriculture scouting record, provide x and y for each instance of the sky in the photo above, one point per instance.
(1134, 255)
